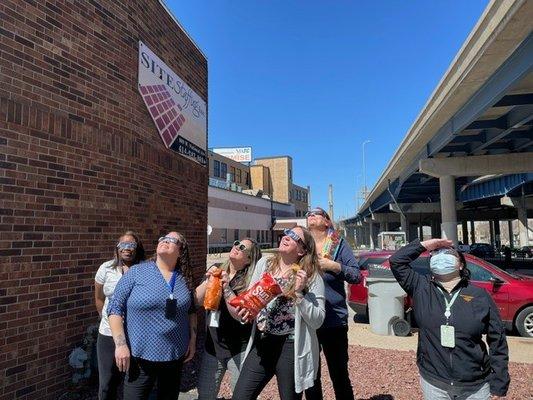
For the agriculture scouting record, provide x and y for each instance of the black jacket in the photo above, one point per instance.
(474, 313)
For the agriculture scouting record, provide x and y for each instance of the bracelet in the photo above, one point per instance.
(228, 292)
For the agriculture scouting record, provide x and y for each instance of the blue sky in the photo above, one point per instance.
(315, 79)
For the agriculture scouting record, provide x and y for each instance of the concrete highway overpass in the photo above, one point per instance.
(469, 154)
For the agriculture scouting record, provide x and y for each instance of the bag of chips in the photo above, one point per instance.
(213, 292)
(258, 296)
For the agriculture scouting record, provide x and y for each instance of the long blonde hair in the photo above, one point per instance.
(308, 262)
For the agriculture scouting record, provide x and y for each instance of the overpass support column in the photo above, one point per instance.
(510, 229)
(491, 233)
(497, 233)
(448, 211)
(472, 232)
(405, 227)
(464, 225)
(371, 234)
(522, 226)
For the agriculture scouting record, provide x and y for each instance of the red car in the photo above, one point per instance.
(513, 294)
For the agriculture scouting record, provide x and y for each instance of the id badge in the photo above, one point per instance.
(214, 318)
(447, 336)
(171, 308)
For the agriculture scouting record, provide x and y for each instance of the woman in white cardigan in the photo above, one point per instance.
(283, 341)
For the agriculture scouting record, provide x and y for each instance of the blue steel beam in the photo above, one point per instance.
(493, 188)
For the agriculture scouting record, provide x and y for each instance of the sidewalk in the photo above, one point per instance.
(520, 349)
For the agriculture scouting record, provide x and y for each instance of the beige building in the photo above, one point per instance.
(283, 188)
(220, 167)
(248, 201)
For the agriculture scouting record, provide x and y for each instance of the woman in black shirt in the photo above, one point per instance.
(225, 344)
(453, 315)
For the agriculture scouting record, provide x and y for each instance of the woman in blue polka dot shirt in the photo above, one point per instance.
(153, 321)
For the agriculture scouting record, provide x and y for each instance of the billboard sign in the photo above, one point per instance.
(240, 154)
(179, 113)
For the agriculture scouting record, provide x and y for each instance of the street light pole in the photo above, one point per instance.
(364, 170)
(357, 194)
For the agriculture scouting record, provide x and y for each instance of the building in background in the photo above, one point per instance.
(282, 186)
(255, 199)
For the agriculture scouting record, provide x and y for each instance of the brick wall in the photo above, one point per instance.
(80, 162)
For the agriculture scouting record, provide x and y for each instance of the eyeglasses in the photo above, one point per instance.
(315, 213)
(168, 239)
(126, 246)
(444, 250)
(240, 246)
(294, 236)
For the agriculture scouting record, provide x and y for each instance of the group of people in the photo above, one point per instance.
(148, 322)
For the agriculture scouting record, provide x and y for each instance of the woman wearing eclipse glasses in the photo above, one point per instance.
(128, 251)
(226, 339)
(337, 262)
(154, 300)
(452, 315)
(283, 341)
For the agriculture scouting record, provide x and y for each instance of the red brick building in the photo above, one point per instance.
(80, 162)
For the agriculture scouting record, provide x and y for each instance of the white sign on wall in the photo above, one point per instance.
(240, 154)
(179, 113)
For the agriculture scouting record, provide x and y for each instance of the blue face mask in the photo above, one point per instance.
(443, 264)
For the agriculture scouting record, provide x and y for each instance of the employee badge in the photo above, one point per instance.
(447, 336)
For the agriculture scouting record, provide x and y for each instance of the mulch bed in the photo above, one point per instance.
(379, 374)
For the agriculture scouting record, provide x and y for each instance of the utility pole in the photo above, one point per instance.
(330, 202)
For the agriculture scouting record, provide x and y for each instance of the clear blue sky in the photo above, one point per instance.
(314, 79)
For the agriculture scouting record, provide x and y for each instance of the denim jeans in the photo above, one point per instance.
(431, 392)
(212, 371)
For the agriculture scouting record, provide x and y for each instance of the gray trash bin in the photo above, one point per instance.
(385, 301)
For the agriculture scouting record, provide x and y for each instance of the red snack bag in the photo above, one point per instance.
(213, 292)
(258, 296)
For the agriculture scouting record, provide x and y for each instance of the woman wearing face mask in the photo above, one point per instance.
(155, 303)
(283, 340)
(128, 251)
(452, 316)
(225, 344)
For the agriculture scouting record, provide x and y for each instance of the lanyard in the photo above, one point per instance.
(171, 284)
(449, 304)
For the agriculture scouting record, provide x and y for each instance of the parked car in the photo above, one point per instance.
(525, 252)
(512, 293)
(482, 250)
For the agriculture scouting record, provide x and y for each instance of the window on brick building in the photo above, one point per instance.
(223, 170)
(238, 176)
(232, 173)
(216, 169)
(247, 179)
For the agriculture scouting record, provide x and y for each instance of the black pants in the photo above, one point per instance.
(270, 355)
(334, 343)
(109, 377)
(143, 374)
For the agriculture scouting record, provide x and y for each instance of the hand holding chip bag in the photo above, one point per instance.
(213, 292)
(258, 296)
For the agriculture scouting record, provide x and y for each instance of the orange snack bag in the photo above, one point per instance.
(258, 296)
(213, 292)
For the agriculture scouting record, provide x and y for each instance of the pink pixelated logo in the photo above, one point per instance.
(164, 111)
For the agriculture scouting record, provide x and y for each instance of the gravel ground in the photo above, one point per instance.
(379, 374)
